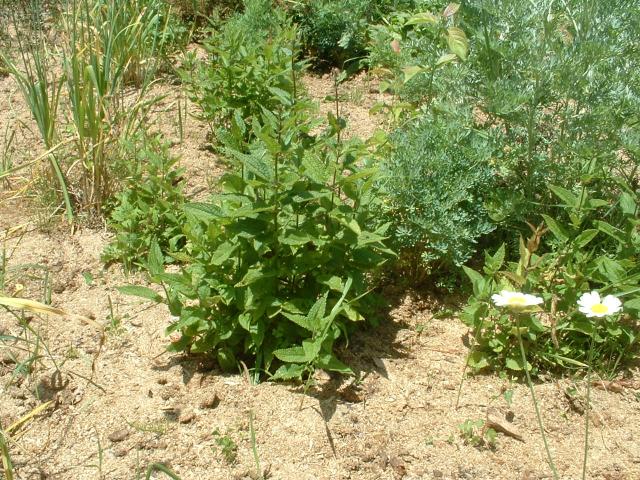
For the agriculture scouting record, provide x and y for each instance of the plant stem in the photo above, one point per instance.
(535, 402)
(586, 412)
(254, 447)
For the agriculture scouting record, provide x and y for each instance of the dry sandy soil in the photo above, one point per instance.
(115, 408)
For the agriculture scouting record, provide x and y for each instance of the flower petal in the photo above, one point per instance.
(612, 303)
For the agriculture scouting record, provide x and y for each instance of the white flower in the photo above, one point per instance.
(515, 299)
(592, 306)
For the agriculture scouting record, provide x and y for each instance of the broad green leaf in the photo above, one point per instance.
(316, 313)
(331, 363)
(155, 261)
(458, 42)
(314, 168)
(611, 269)
(288, 372)
(516, 364)
(633, 304)
(559, 232)
(252, 276)
(569, 198)
(312, 348)
(292, 355)
(332, 281)
(610, 230)
(446, 58)
(478, 360)
(423, 18)
(628, 204)
(477, 280)
(203, 211)
(301, 320)
(411, 71)
(493, 263)
(223, 253)
(142, 292)
(585, 237)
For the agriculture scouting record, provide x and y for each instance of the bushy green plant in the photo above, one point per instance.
(335, 33)
(593, 247)
(249, 58)
(275, 267)
(420, 54)
(149, 208)
(549, 81)
(434, 185)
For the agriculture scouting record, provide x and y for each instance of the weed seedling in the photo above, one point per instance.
(226, 446)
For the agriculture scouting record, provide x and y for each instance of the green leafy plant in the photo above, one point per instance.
(291, 236)
(587, 252)
(420, 56)
(434, 183)
(228, 448)
(250, 62)
(476, 434)
(335, 33)
(149, 208)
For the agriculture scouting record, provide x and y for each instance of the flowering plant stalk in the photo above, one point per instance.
(592, 306)
(519, 304)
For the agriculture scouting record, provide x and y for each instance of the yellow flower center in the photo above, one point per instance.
(599, 308)
(517, 301)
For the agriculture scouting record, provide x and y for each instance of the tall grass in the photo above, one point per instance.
(111, 43)
(40, 88)
(105, 47)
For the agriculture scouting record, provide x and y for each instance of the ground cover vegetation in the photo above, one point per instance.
(509, 164)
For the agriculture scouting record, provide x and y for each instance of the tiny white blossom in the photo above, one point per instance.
(593, 306)
(515, 299)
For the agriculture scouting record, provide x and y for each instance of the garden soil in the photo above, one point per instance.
(108, 407)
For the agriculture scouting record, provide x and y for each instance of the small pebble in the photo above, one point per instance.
(119, 435)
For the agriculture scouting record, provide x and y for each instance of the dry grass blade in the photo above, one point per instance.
(36, 411)
(7, 466)
(37, 307)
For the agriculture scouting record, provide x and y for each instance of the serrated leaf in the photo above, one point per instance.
(299, 320)
(610, 230)
(223, 253)
(446, 58)
(585, 237)
(559, 232)
(316, 313)
(288, 372)
(458, 43)
(451, 10)
(569, 198)
(252, 276)
(155, 260)
(203, 211)
(142, 292)
(423, 18)
(477, 360)
(411, 71)
(314, 168)
(514, 364)
(493, 263)
(633, 304)
(292, 355)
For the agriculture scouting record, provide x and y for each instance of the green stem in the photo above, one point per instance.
(586, 412)
(535, 402)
